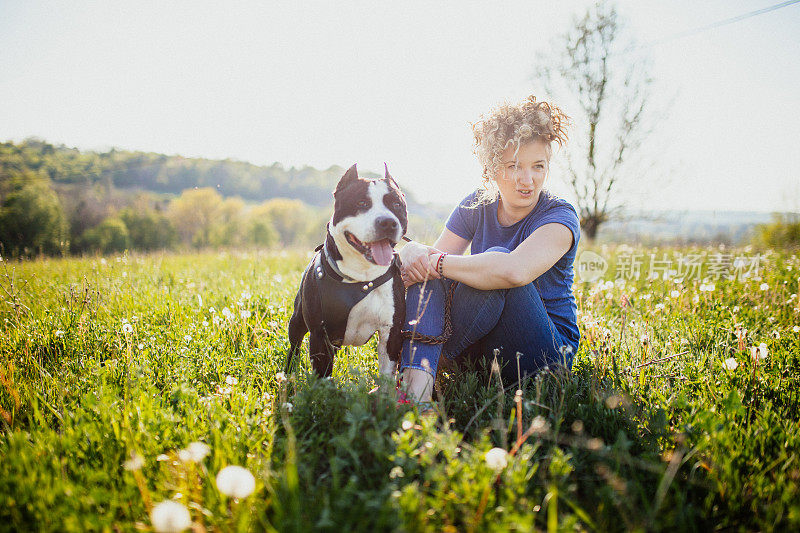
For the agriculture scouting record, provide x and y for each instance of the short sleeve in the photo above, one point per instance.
(463, 221)
(561, 212)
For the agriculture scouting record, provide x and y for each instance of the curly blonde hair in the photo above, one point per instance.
(513, 125)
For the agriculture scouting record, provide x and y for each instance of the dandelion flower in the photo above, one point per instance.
(227, 313)
(280, 377)
(764, 287)
(59, 333)
(763, 352)
(539, 425)
(796, 329)
(136, 462)
(187, 338)
(659, 306)
(730, 363)
(231, 380)
(236, 482)
(674, 294)
(288, 406)
(496, 459)
(170, 517)
(245, 314)
(127, 328)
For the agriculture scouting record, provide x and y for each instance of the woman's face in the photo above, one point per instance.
(521, 176)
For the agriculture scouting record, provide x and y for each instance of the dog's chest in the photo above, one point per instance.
(374, 312)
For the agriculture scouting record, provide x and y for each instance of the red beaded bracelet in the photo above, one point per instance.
(440, 263)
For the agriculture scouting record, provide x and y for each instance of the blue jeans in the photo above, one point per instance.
(509, 320)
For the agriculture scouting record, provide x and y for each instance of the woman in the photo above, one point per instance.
(514, 292)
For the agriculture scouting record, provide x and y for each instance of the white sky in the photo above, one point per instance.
(325, 83)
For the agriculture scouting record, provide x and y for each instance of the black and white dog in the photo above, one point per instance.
(353, 286)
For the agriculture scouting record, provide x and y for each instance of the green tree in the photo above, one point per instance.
(31, 217)
(259, 227)
(228, 228)
(148, 229)
(291, 219)
(109, 237)
(194, 214)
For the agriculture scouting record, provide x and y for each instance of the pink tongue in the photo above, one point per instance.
(381, 251)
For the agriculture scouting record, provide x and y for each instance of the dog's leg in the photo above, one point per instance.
(321, 353)
(387, 365)
(297, 330)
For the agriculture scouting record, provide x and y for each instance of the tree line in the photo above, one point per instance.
(58, 200)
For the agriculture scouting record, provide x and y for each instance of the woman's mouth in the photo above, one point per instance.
(525, 193)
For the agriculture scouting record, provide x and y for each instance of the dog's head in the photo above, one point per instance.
(369, 218)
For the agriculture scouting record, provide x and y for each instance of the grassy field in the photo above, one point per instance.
(681, 412)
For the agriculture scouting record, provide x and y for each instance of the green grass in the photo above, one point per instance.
(104, 358)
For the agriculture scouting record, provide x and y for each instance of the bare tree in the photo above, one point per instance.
(597, 76)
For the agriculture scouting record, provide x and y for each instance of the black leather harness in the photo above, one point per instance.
(338, 297)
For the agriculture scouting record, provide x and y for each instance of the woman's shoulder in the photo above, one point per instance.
(551, 202)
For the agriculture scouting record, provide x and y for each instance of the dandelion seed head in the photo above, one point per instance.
(236, 482)
(539, 425)
(730, 363)
(127, 328)
(136, 462)
(198, 451)
(170, 517)
(496, 459)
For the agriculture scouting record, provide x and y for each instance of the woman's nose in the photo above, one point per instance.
(525, 177)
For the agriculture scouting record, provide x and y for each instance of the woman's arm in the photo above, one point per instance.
(497, 270)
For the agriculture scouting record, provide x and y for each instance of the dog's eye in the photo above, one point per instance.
(362, 203)
(398, 205)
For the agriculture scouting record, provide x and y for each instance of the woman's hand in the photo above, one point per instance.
(416, 263)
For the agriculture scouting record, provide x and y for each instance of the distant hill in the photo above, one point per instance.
(172, 174)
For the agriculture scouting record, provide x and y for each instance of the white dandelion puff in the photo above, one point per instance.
(127, 328)
(496, 459)
(170, 517)
(539, 425)
(136, 462)
(288, 406)
(236, 482)
(231, 380)
(730, 363)
(280, 377)
(764, 287)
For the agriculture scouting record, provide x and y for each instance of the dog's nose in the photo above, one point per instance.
(386, 223)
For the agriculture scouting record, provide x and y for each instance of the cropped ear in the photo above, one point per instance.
(349, 176)
(388, 176)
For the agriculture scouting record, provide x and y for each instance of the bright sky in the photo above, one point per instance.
(325, 83)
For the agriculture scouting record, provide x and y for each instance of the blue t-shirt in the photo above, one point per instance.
(480, 225)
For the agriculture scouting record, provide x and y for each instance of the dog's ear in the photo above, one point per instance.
(388, 177)
(350, 176)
